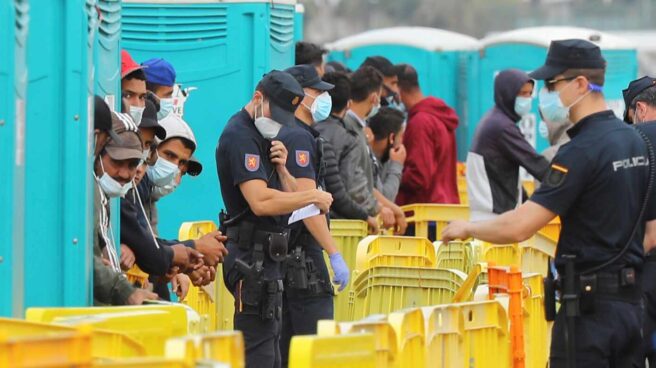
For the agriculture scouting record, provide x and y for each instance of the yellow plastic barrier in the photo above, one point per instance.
(137, 277)
(455, 255)
(105, 344)
(537, 330)
(409, 327)
(444, 335)
(387, 289)
(502, 255)
(462, 190)
(422, 215)
(203, 299)
(385, 336)
(357, 350)
(552, 230)
(219, 347)
(144, 363)
(529, 186)
(536, 253)
(399, 251)
(149, 325)
(347, 234)
(467, 290)
(486, 342)
(70, 349)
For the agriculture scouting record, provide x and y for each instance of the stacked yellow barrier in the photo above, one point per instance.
(537, 337)
(409, 327)
(104, 343)
(207, 301)
(392, 273)
(225, 347)
(486, 338)
(347, 234)
(423, 215)
(149, 325)
(444, 335)
(68, 349)
(356, 350)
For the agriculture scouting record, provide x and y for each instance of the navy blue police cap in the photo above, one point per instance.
(284, 94)
(569, 54)
(307, 77)
(635, 88)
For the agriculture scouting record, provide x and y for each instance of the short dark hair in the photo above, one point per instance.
(137, 74)
(364, 82)
(596, 76)
(382, 64)
(386, 121)
(341, 93)
(309, 53)
(408, 78)
(647, 96)
(337, 67)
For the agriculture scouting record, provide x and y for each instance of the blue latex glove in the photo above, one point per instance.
(340, 270)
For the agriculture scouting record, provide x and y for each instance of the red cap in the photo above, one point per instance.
(128, 65)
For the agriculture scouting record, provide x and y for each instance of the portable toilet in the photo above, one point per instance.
(57, 142)
(223, 49)
(14, 23)
(107, 52)
(439, 56)
(526, 49)
(299, 22)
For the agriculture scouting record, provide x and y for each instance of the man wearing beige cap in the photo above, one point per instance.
(114, 170)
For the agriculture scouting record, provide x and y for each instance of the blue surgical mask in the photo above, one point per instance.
(374, 110)
(137, 113)
(165, 107)
(159, 192)
(110, 186)
(523, 105)
(552, 106)
(162, 172)
(321, 107)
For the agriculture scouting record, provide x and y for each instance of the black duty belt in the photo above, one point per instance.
(248, 234)
(651, 256)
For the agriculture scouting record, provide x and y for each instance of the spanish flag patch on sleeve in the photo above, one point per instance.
(556, 175)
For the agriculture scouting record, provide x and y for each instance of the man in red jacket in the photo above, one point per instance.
(429, 175)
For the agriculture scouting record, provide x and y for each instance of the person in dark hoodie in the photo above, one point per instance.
(499, 149)
(429, 174)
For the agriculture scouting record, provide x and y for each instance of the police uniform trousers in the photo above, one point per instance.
(649, 308)
(303, 309)
(261, 336)
(610, 336)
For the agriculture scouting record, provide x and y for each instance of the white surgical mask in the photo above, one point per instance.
(137, 113)
(268, 127)
(162, 172)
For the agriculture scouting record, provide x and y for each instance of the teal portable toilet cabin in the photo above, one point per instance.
(57, 137)
(14, 23)
(439, 56)
(107, 52)
(223, 49)
(299, 22)
(526, 49)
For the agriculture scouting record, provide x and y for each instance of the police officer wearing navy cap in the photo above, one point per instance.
(600, 250)
(252, 174)
(640, 101)
(308, 295)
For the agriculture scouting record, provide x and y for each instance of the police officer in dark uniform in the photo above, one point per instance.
(308, 295)
(640, 102)
(249, 164)
(600, 252)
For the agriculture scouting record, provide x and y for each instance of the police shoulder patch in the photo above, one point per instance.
(252, 162)
(556, 175)
(302, 158)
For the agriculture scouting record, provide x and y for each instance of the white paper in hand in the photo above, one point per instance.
(303, 213)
